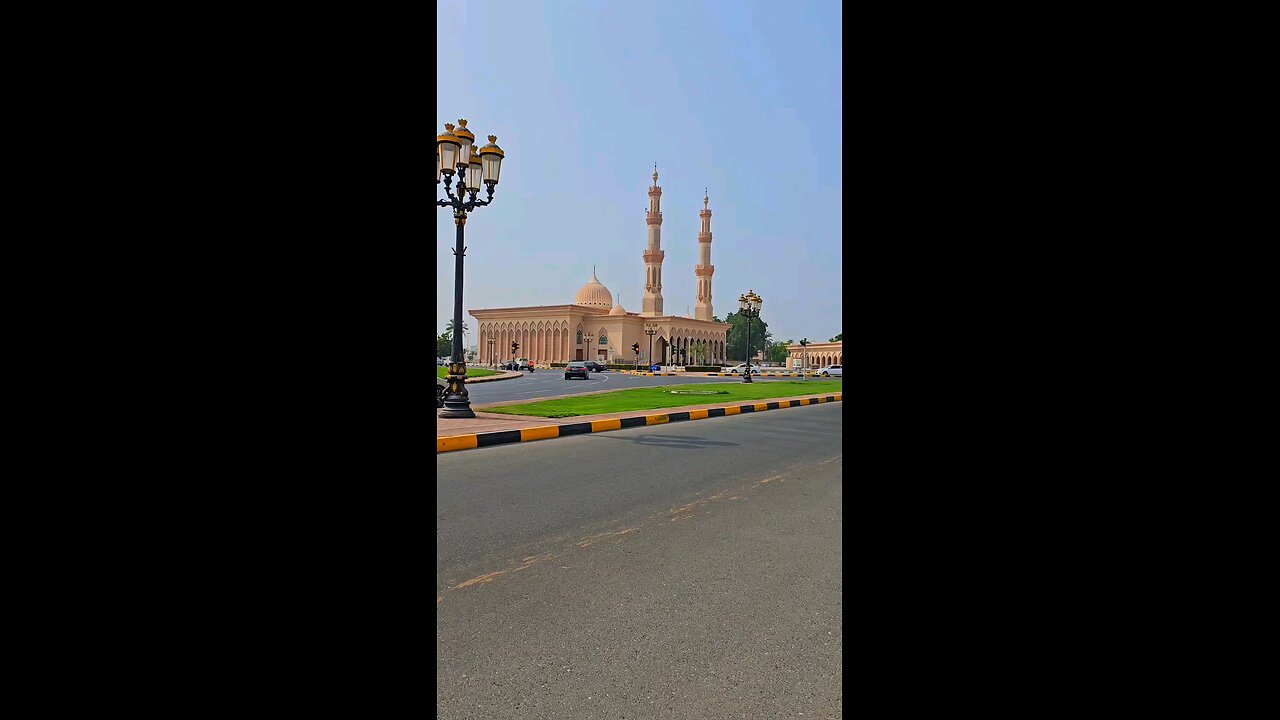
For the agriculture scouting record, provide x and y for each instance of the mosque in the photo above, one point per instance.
(594, 327)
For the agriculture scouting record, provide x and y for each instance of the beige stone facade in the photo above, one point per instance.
(558, 333)
(818, 354)
(592, 327)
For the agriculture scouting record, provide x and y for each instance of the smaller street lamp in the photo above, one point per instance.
(749, 307)
(650, 329)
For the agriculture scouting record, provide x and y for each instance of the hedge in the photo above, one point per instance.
(702, 368)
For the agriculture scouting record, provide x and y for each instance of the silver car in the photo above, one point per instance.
(830, 370)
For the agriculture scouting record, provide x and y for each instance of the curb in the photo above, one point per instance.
(712, 374)
(472, 440)
(495, 378)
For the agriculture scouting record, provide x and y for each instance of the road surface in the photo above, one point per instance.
(676, 571)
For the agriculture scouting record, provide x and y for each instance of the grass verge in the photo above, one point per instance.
(657, 398)
(443, 372)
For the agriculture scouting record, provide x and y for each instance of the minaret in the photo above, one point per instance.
(651, 305)
(704, 269)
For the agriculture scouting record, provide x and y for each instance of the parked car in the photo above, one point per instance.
(594, 366)
(442, 361)
(577, 368)
(742, 369)
(441, 388)
(524, 364)
(830, 370)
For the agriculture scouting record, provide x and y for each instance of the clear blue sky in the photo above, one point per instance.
(743, 98)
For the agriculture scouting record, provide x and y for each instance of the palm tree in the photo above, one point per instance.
(700, 351)
(448, 330)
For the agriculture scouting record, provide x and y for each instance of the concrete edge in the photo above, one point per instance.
(472, 440)
(506, 375)
(712, 374)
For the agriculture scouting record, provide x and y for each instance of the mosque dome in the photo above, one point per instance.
(593, 294)
(618, 310)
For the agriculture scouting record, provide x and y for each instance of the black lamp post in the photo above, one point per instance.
(804, 360)
(749, 307)
(454, 152)
(651, 329)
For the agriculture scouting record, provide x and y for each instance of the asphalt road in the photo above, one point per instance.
(677, 571)
(547, 383)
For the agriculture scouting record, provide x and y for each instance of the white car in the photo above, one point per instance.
(830, 370)
(742, 369)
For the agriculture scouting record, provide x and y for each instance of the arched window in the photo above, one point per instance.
(601, 338)
(579, 337)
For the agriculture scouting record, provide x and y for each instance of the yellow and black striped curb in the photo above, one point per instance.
(754, 374)
(472, 440)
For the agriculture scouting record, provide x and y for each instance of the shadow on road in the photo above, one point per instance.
(670, 441)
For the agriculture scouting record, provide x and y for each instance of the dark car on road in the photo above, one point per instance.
(594, 366)
(575, 369)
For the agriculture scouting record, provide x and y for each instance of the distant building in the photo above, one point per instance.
(560, 333)
(819, 354)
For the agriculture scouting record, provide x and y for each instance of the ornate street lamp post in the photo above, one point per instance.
(650, 329)
(453, 153)
(749, 307)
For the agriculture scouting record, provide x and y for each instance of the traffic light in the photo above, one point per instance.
(514, 346)
(635, 347)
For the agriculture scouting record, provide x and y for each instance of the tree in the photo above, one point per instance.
(448, 329)
(778, 353)
(838, 338)
(444, 346)
(699, 348)
(736, 347)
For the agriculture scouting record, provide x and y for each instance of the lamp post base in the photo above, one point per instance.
(457, 403)
(746, 378)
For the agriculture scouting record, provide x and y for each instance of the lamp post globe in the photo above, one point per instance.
(453, 153)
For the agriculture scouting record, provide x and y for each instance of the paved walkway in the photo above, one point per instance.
(492, 422)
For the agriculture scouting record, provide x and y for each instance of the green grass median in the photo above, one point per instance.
(657, 398)
(442, 372)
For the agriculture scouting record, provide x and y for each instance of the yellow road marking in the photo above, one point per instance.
(487, 577)
(656, 419)
(604, 536)
(697, 414)
(732, 410)
(761, 407)
(598, 425)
